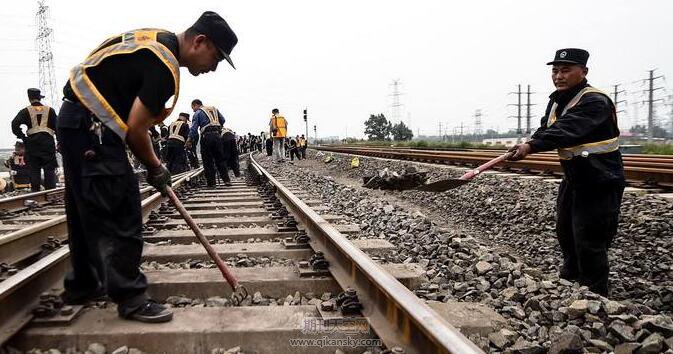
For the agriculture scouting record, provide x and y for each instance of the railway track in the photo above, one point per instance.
(312, 290)
(653, 170)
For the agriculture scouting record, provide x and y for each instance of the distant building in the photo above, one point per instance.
(511, 141)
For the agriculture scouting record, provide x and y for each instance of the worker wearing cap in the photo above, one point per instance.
(40, 121)
(175, 154)
(110, 101)
(209, 121)
(580, 123)
(230, 151)
(278, 129)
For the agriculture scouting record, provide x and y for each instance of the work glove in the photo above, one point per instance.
(159, 177)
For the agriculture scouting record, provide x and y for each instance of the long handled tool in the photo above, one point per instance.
(445, 185)
(239, 291)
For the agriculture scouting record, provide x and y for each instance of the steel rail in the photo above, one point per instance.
(397, 316)
(22, 244)
(17, 202)
(20, 292)
(656, 173)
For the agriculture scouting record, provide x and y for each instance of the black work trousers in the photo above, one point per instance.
(102, 204)
(230, 151)
(586, 223)
(295, 152)
(41, 156)
(213, 158)
(176, 156)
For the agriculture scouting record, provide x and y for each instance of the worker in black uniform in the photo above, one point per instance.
(208, 121)
(192, 154)
(581, 124)
(110, 100)
(230, 151)
(175, 154)
(40, 121)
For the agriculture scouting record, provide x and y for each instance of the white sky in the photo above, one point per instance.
(339, 58)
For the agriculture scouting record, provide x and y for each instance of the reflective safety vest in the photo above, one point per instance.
(278, 126)
(131, 42)
(39, 120)
(584, 150)
(213, 117)
(302, 142)
(174, 130)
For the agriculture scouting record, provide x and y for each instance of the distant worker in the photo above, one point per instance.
(18, 168)
(110, 100)
(40, 121)
(174, 151)
(278, 129)
(230, 151)
(192, 154)
(581, 124)
(268, 144)
(294, 149)
(302, 146)
(208, 121)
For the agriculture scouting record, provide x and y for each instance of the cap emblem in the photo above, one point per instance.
(563, 54)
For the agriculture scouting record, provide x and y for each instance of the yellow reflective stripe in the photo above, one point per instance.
(599, 147)
(572, 103)
(130, 43)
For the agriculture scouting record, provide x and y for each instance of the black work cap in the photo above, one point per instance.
(218, 31)
(34, 93)
(184, 115)
(570, 56)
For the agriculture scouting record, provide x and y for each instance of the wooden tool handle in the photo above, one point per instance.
(486, 166)
(233, 282)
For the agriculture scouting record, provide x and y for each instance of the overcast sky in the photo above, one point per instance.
(339, 58)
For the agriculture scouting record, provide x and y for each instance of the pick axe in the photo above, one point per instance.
(451, 183)
(239, 292)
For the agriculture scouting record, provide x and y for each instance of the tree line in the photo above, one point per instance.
(377, 127)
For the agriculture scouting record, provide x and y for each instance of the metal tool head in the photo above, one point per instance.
(239, 294)
(443, 185)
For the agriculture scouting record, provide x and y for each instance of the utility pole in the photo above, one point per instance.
(670, 103)
(615, 97)
(439, 133)
(518, 106)
(650, 103)
(528, 115)
(461, 131)
(396, 106)
(477, 124)
(45, 58)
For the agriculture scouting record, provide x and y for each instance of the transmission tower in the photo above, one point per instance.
(477, 124)
(45, 57)
(528, 115)
(650, 103)
(396, 106)
(518, 106)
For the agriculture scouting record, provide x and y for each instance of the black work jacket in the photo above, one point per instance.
(593, 119)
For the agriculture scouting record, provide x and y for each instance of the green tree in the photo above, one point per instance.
(377, 127)
(401, 132)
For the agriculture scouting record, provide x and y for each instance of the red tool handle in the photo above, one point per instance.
(209, 248)
(486, 166)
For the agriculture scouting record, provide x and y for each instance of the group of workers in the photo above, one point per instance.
(119, 92)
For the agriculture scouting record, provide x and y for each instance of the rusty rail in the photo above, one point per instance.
(638, 168)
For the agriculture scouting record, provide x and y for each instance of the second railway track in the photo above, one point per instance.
(312, 290)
